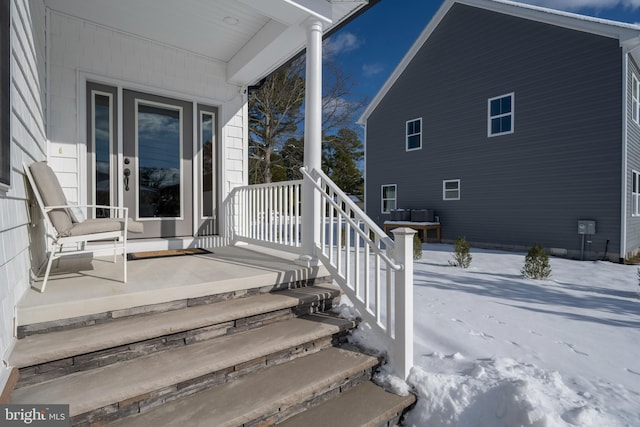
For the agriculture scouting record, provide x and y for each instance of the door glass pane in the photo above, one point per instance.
(159, 186)
(102, 146)
(207, 164)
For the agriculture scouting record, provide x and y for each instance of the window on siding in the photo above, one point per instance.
(451, 189)
(414, 134)
(635, 99)
(635, 194)
(500, 115)
(389, 198)
(5, 91)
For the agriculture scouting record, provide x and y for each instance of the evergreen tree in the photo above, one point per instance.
(341, 154)
(462, 253)
(417, 247)
(289, 159)
(536, 263)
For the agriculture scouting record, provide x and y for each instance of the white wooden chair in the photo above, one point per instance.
(68, 228)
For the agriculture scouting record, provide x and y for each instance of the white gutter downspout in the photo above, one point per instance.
(626, 51)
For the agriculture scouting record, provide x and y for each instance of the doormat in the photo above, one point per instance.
(166, 253)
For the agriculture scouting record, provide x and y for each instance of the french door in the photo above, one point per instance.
(155, 171)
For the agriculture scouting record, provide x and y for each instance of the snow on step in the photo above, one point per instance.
(254, 396)
(51, 346)
(89, 390)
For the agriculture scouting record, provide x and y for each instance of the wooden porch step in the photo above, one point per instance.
(269, 396)
(54, 354)
(128, 387)
(365, 405)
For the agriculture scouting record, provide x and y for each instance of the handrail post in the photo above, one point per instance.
(402, 345)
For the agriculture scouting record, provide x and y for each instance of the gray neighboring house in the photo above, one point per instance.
(513, 122)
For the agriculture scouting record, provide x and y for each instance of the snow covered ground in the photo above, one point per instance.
(493, 349)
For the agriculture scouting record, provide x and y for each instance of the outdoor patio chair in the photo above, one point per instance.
(66, 224)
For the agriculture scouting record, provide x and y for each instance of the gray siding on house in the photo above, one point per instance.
(633, 161)
(560, 165)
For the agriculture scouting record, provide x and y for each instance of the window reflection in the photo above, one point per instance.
(102, 147)
(158, 162)
(207, 164)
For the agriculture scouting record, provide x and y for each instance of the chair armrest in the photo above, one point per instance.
(124, 210)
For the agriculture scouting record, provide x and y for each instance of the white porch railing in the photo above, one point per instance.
(375, 272)
(268, 214)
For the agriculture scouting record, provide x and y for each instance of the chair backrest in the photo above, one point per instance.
(48, 192)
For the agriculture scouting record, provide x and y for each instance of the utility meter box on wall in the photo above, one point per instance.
(586, 226)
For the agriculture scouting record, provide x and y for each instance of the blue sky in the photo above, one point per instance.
(371, 46)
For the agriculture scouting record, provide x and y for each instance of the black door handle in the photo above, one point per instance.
(127, 172)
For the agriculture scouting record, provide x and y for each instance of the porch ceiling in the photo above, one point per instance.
(252, 37)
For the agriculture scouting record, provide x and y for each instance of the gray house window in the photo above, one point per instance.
(635, 194)
(635, 99)
(500, 115)
(389, 198)
(5, 93)
(414, 134)
(451, 189)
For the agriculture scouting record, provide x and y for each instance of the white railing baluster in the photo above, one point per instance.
(367, 274)
(323, 222)
(280, 217)
(356, 264)
(389, 315)
(347, 246)
(331, 228)
(376, 272)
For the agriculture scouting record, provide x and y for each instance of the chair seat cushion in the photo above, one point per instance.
(103, 225)
(135, 226)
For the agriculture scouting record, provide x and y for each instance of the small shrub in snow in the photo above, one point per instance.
(461, 256)
(417, 247)
(536, 263)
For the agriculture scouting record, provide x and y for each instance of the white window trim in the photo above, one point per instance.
(444, 189)
(512, 114)
(635, 196)
(382, 199)
(635, 100)
(406, 145)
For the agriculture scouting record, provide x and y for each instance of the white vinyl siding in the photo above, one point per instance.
(22, 251)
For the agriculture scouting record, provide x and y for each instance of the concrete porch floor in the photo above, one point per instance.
(81, 286)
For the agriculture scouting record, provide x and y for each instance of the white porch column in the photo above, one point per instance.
(312, 141)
